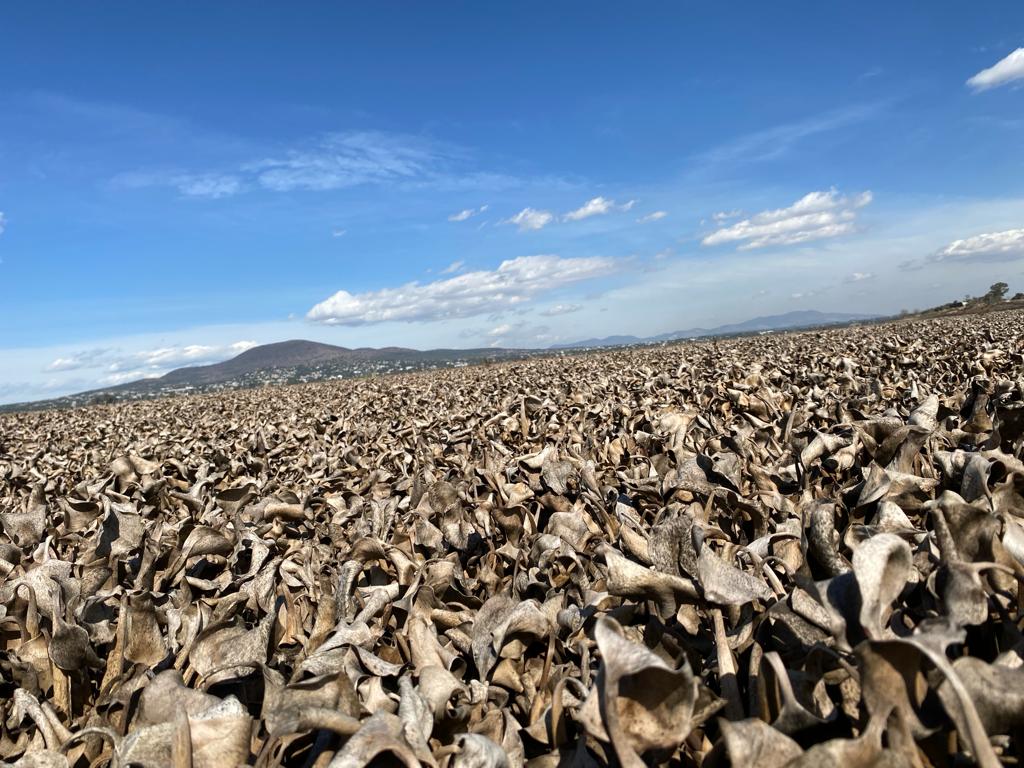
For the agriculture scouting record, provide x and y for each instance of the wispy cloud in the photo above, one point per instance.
(166, 356)
(774, 142)
(330, 162)
(512, 284)
(530, 219)
(1003, 72)
(857, 277)
(339, 232)
(157, 360)
(207, 185)
(654, 216)
(561, 309)
(815, 216)
(22, 391)
(520, 334)
(349, 159)
(86, 358)
(3, 222)
(467, 213)
(454, 267)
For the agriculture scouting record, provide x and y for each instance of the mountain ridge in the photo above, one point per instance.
(801, 318)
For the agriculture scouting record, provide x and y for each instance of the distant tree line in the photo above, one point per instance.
(996, 295)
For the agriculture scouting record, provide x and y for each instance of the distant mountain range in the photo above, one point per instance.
(804, 318)
(285, 362)
(295, 361)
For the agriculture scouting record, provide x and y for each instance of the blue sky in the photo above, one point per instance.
(180, 181)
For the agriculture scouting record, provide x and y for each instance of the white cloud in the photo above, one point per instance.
(3, 222)
(530, 219)
(339, 232)
(655, 216)
(454, 267)
(164, 357)
(597, 206)
(500, 330)
(856, 277)
(157, 359)
(1002, 72)
(467, 213)
(594, 207)
(533, 219)
(122, 377)
(190, 354)
(561, 309)
(990, 246)
(814, 216)
(513, 283)
(726, 215)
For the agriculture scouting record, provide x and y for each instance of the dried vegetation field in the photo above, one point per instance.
(789, 550)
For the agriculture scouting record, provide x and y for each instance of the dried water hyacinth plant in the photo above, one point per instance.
(793, 550)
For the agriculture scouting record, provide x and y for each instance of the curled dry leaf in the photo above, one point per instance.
(645, 706)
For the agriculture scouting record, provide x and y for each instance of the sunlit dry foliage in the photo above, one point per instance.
(793, 550)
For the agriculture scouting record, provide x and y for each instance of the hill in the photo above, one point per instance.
(285, 362)
(282, 354)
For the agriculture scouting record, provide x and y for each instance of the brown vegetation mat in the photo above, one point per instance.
(794, 550)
